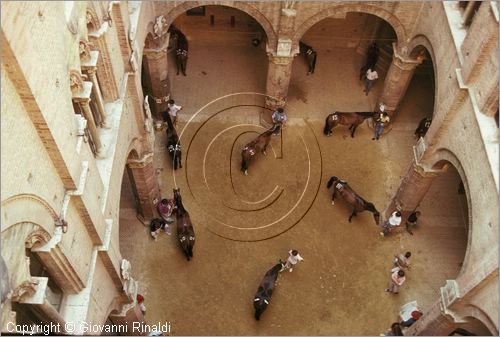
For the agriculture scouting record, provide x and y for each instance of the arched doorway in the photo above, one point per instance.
(341, 43)
(418, 101)
(224, 56)
(442, 233)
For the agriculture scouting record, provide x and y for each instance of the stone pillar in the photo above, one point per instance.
(397, 80)
(412, 190)
(96, 90)
(145, 185)
(278, 81)
(87, 113)
(157, 67)
(104, 65)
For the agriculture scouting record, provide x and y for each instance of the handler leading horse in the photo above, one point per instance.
(358, 204)
(185, 230)
(258, 144)
(345, 118)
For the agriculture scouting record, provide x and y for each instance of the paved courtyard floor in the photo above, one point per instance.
(244, 224)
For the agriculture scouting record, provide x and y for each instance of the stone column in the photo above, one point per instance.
(157, 66)
(144, 182)
(412, 190)
(96, 90)
(278, 81)
(397, 80)
(87, 113)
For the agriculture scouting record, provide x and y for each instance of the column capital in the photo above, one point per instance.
(402, 60)
(156, 53)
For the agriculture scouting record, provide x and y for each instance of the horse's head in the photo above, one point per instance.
(376, 216)
(260, 304)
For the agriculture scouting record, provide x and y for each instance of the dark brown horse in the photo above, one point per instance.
(358, 204)
(185, 231)
(265, 290)
(258, 144)
(353, 119)
(310, 56)
(371, 60)
(181, 52)
(173, 143)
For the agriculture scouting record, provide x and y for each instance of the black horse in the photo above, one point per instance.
(258, 144)
(358, 204)
(265, 290)
(181, 52)
(173, 143)
(310, 56)
(423, 126)
(353, 119)
(371, 59)
(185, 231)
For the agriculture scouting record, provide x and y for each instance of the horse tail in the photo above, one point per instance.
(326, 130)
(330, 182)
(314, 60)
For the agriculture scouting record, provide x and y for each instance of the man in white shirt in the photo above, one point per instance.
(371, 76)
(293, 259)
(394, 221)
(173, 109)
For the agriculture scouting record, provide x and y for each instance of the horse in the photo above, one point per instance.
(423, 126)
(181, 52)
(173, 143)
(359, 204)
(258, 144)
(310, 55)
(371, 59)
(265, 290)
(185, 231)
(345, 118)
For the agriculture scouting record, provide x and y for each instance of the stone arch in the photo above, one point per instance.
(15, 211)
(341, 11)
(476, 313)
(92, 20)
(444, 157)
(419, 41)
(242, 6)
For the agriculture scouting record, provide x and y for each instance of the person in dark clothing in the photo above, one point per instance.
(412, 221)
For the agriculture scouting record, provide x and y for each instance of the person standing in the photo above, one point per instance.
(401, 261)
(279, 118)
(380, 122)
(293, 258)
(394, 221)
(397, 280)
(172, 110)
(166, 207)
(412, 221)
(371, 76)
